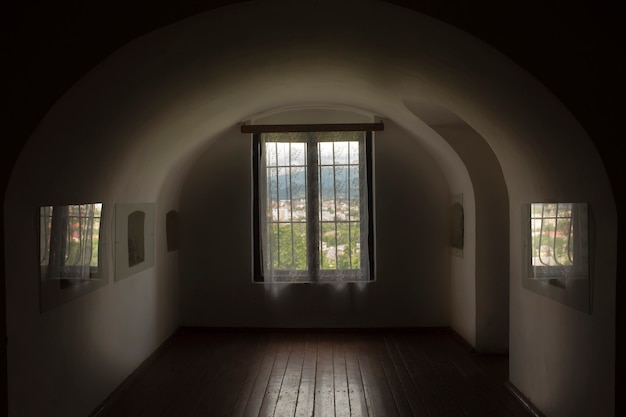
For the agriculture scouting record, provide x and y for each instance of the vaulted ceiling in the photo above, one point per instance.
(577, 52)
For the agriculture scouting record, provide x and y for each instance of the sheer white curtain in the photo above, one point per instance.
(313, 207)
(69, 241)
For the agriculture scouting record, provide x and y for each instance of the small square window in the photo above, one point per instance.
(556, 252)
(70, 250)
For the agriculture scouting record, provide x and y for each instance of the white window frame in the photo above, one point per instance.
(313, 273)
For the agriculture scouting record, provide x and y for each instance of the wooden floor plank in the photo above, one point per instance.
(211, 373)
(380, 400)
(240, 373)
(433, 391)
(393, 379)
(182, 386)
(290, 387)
(244, 392)
(495, 369)
(306, 389)
(356, 391)
(482, 395)
(200, 378)
(134, 398)
(458, 395)
(413, 395)
(220, 396)
(342, 397)
(324, 378)
(276, 377)
(257, 394)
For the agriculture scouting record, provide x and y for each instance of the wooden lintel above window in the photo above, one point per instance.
(336, 127)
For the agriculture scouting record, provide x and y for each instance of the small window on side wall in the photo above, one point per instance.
(70, 249)
(556, 251)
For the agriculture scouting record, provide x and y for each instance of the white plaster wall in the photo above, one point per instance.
(65, 361)
(561, 358)
(462, 268)
(545, 155)
(489, 239)
(412, 257)
(463, 279)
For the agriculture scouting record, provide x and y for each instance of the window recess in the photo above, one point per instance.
(558, 241)
(313, 211)
(69, 242)
(557, 252)
(70, 252)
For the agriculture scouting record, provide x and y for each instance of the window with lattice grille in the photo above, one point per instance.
(313, 206)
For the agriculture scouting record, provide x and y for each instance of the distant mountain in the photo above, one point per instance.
(296, 182)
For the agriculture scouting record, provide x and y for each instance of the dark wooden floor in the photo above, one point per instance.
(335, 373)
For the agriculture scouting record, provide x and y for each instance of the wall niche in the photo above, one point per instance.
(134, 238)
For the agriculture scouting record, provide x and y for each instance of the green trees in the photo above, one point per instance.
(339, 246)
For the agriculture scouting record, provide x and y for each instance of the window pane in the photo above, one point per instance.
(552, 235)
(355, 244)
(298, 183)
(290, 246)
(341, 153)
(287, 205)
(284, 184)
(325, 151)
(536, 210)
(285, 253)
(272, 193)
(328, 246)
(565, 210)
(563, 242)
(355, 198)
(549, 210)
(298, 154)
(282, 153)
(341, 185)
(95, 239)
(326, 184)
(273, 245)
(340, 245)
(343, 246)
(270, 154)
(546, 250)
(354, 152)
(299, 205)
(299, 244)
